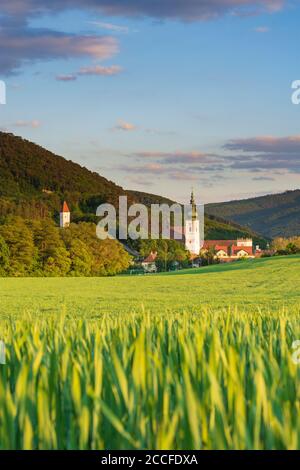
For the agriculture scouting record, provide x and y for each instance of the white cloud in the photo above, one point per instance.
(34, 124)
(262, 29)
(124, 126)
(110, 27)
(100, 70)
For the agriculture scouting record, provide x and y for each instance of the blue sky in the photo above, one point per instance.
(159, 96)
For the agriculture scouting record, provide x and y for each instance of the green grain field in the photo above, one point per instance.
(200, 359)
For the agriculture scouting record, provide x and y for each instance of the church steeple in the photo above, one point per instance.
(194, 208)
(192, 228)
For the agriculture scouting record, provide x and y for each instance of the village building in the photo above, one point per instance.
(230, 250)
(224, 250)
(149, 264)
(221, 251)
(65, 216)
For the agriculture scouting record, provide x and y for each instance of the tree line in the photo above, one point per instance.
(169, 253)
(286, 246)
(40, 248)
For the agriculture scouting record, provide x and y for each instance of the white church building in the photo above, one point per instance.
(192, 230)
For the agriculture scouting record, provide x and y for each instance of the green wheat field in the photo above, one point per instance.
(201, 359)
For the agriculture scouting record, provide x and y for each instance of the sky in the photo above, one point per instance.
(159, 96)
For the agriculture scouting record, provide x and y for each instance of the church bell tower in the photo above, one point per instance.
(192, 229)
(65, 216)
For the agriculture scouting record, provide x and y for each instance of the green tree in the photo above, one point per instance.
(168, 252)
(208, 256)
(46, 238)
(81, 258)
(53, 258)
(19, 239)
(286, 246)
(58, 264)
(107, 257)
(292, 248)
(4, 256)
(39, 247)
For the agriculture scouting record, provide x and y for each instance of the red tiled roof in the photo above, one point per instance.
(65, 207)
(151, 258)
(247, 249)
(221, 247)
(214, 243)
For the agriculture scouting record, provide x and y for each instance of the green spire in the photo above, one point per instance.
(194, 208)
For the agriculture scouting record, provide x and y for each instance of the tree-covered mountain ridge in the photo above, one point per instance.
(34, 181)
(274, 215)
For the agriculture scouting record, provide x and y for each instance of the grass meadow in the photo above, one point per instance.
(200, 359)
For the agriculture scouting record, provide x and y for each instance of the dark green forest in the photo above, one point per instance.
(275, 215)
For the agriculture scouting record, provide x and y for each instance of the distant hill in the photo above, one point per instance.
(147, 199)
(34, 181)
(273, 215)
(216, 228)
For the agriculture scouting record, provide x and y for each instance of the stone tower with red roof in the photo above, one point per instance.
(65, 216)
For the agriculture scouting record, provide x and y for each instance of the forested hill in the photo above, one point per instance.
(216, 227)
(28, 169)
(273, 215)
(34, 181)
(30, 173)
